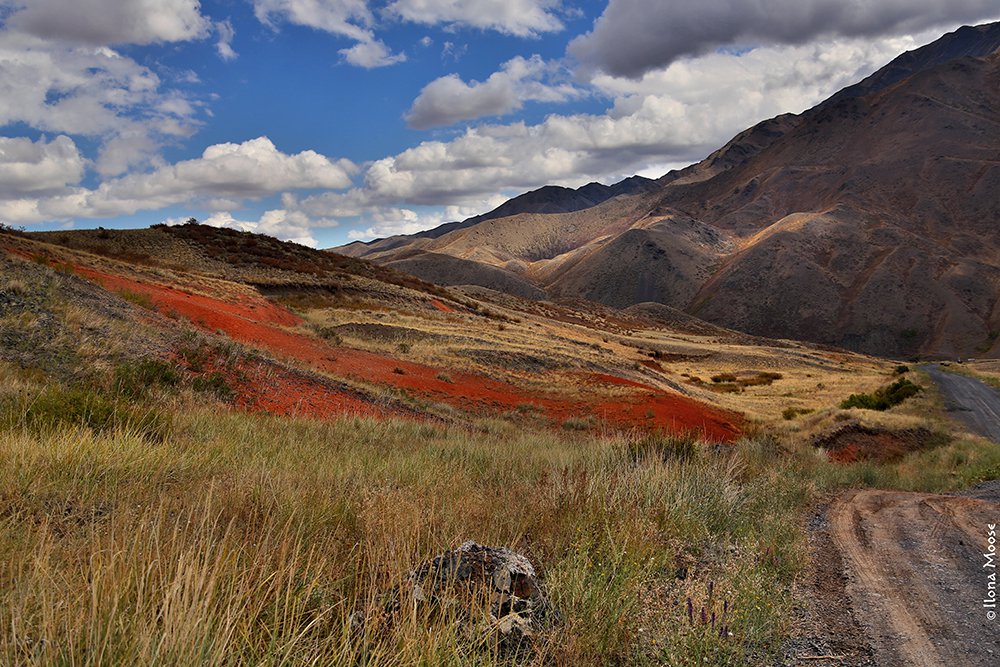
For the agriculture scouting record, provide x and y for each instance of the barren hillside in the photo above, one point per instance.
(867, 222)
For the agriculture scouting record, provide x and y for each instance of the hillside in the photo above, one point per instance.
(867, 222)
(338, 335)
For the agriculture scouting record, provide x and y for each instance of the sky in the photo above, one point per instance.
(329, 121)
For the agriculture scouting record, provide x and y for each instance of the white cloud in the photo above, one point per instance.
(673, 116)
(226, 33)
(249, 170)
(223, 177)
(37, 167)
(632, 37)
(394, 221)
(279, 223)
(371, 54)
(448, 99)
(102, 22)
(93, 92)
(523, 18)
(348, 18)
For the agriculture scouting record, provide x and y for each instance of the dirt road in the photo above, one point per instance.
(900, 579)
(972, 402)
(916, 578)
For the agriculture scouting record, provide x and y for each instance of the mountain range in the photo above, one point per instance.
(868, 222)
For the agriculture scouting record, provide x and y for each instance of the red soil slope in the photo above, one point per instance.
(258, 322)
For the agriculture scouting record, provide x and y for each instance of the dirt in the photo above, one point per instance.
(854, 442)
(260, 323)
(898, 579)
(439, 305)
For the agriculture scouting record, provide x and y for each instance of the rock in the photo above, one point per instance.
(473, 575)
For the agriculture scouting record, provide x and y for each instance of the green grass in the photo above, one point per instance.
(138, 298)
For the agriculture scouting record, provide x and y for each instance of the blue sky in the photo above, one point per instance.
(325, 121)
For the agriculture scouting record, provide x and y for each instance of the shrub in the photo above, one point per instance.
(664, 447)
(901, 370)
(724, 377)
(135, 379)
(578, 423)
(884, 398)
(792, 413)
(214, 383)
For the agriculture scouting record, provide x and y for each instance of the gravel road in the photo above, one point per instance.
(974, 403)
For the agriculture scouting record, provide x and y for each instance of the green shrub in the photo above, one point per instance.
(792, 413)
(214, 383)
(664, 446)
(884, 398)
(135, 379)
(901, 370)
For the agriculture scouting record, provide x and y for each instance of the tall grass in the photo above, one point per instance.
(254, 540)
(235, 539)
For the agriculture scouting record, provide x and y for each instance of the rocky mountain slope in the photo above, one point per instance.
(869, 221)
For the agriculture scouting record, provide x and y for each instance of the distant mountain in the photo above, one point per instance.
(871, 221)
(547, 199)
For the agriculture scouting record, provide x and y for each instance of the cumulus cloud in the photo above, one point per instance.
(93, 92)
(223, 177)
(371, 54)
(395, 221)
(348, 18)
(252, 169)
(279, 223)
(523, 18)
(448, 99)
(225, 32)
(102, 22)
(37, 167)
(632, 37)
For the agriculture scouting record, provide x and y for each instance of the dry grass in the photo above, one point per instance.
(252, 540)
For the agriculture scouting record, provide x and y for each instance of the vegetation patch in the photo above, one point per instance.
(138, 298)
(884, 398)
(734, 383)
(57, 407)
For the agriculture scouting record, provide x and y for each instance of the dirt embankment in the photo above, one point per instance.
(260, 323)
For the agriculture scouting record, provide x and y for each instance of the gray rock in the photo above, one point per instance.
(474, 574)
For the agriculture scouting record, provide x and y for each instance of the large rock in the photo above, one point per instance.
(473, 575)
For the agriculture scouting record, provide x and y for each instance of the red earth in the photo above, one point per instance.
(258, 322)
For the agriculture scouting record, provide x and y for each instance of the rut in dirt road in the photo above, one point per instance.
(916, 577)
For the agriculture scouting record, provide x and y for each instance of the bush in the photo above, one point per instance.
(884, 398)
(135, 379)
(901, 370)
(665, 447)
(214, 383)
(138, 298)
(792, 413)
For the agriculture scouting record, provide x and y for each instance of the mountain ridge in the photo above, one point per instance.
(802, 225)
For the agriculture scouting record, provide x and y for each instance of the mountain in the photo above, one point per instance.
(868, 222)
